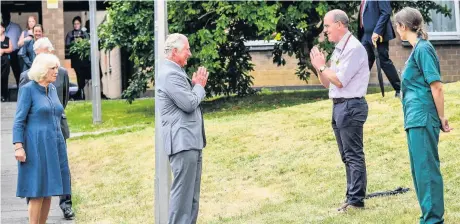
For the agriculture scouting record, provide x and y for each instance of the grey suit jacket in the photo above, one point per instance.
(62, 88)
(179, 105)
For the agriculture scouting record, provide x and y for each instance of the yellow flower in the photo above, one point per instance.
(278, 37)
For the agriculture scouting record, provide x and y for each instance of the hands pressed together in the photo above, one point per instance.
(200, 77)
(317, 58)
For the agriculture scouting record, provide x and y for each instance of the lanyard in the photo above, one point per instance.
(343, 49)
(346, 42)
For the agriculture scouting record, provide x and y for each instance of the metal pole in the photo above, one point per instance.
(95, 79)
(162, 166)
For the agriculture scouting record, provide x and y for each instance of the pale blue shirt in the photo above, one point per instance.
(349, 62)
(13, 31)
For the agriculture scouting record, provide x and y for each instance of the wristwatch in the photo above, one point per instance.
(322, 68)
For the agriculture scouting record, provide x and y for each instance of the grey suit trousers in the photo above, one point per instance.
(185, 189)
(348, 119)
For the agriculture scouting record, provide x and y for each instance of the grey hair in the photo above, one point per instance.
(174, 41)
(340, 16)
(43, 42)
(413, 20)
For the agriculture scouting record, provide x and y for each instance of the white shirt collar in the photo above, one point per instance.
(342, 41)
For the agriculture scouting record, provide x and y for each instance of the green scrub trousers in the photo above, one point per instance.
(422, 125)
(424, 160)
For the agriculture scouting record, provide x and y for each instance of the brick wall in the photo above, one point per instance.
(268, 74)
(53, 24)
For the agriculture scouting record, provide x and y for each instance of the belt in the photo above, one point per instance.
(341, 100)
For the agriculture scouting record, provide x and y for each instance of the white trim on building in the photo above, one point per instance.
(449, 35)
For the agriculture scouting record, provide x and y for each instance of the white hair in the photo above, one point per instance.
(41, 65)
(43, 42)
(174, 41)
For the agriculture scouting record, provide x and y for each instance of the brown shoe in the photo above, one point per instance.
(347, 206)
(343, 207)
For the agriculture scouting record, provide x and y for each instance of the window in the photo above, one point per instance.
(442, 27)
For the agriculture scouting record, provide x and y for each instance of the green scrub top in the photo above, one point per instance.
(422, 68)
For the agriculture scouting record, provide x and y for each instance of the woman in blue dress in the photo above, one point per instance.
(423, 107)
(40, 149)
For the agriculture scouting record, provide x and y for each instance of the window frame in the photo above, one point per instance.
(455, 35)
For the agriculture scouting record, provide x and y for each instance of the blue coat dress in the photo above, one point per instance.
(37, 125)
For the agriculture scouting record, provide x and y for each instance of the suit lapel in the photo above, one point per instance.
(365, 6)
(182, 71)
(189, 80)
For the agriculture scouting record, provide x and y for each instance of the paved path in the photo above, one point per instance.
(13, 209)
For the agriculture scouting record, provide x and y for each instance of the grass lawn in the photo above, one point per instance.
(270, 158)
(115, 114)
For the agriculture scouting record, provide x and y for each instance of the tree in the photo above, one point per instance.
(217, 31)
(300, 23)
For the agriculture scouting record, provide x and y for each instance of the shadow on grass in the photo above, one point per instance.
(265, 101)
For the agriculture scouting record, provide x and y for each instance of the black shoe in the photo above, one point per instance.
(397, 95)
(104, 97)
(68, 213)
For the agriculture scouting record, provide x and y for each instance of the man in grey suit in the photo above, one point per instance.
(43, 45)
(183, 135)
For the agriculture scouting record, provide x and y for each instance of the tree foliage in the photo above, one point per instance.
(217, 31)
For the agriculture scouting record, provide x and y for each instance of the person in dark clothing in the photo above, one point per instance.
(374, 23)
(6, 49)
(13, 32)
(82, 67)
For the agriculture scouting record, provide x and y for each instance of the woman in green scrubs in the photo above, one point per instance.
(423, 106)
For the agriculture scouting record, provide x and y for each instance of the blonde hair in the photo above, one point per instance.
(175, 40)
(42, 63)
(413, 20)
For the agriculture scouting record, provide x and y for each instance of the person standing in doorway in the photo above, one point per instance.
(82, 67)
(374, 23)
(347, 80)
(26, 36)
(12, 31)
(27, 51)
(5, 51)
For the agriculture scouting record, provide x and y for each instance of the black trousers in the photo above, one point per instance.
(14, 60)
(385, 63)
(348, 119)
(83, 72)
(4, 76)
(65, 201)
